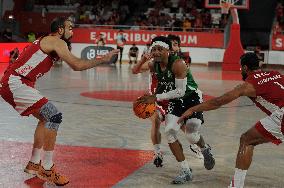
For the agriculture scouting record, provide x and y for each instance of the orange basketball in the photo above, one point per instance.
(143, 110)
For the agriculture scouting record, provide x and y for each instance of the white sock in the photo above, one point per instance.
(184, 164)
(239, 178)
(157, 148)
(47, 162)
(35, 158)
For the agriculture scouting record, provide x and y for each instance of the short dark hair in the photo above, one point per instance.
(251, 60)
(162, 39)
(174, 37)
(57, 23)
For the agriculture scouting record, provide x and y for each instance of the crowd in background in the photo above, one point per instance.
(278, 26)
(174, 15)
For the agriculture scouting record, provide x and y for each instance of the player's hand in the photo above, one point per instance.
(186, 114)
(149, 99)
(108, 56)
(146, 57)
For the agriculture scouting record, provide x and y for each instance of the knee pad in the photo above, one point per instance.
(172, 128)
(192, 127)
(171, 136)
(52, 116)
(193, 138)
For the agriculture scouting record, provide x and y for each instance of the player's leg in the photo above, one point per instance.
(156, 139)
(32, 103)
(192, 127)
(120, 54)
(135, 58)
(171, 131)
(248, 140)
(268, 129)
(195, 149)
(52, 119)
(35, 160)
(129, 57)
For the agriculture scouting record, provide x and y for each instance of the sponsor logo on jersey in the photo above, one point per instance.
(24, 69)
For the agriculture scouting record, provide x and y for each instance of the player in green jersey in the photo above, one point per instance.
(176, 84)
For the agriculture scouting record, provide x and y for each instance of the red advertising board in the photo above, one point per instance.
(141, 37)
(5, 49)
(277, 42)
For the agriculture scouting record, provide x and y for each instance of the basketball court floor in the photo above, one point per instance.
(102, 144)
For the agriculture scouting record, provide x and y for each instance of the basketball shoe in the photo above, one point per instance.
(184, 176)
(158, 159)
(51, 176)
(32, 168)
(209, 161)
(196, 151)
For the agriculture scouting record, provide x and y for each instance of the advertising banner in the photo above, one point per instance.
(5, 49)
(92, 52)
(277, 42)
(143, 37)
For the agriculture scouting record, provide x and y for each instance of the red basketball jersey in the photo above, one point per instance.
(153, 83)
(32, 63)
(269, 88)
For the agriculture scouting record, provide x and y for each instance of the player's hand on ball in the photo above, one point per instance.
(186, 114)
(148, 99)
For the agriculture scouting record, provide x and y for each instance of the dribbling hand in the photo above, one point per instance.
(148, 99)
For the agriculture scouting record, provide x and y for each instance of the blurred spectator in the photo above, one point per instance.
(198, 22)
(277, 30)
(133, 54)
(29, 5)
(186, 25)
(260, 55)
(44, 11)
(146, 49)
(14, 54)
(31, 37)
(72, 17)
(7, 35)
(174, 7)
(216, 18)
(280, 13)
(120, 41)
(101, 41)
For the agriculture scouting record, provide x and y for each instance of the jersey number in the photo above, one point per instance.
(277, 83)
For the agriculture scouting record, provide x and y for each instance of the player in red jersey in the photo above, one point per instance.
(266, 90)
(17, 88)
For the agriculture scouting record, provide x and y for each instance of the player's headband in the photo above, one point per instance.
(160, 43)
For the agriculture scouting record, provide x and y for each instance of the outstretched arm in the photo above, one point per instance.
(77, 64)
(244, 89)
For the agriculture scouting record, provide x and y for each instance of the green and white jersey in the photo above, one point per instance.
(166, 78)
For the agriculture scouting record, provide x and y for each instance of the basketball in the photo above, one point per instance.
(143, 110)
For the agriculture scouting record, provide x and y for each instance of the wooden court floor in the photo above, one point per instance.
(102, 144)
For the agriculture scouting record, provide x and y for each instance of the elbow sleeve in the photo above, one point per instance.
(177, 93)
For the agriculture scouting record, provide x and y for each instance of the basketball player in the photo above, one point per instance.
(17, 89)
(266, 90)
(176, 50)
(159, 116)
(176, 84)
